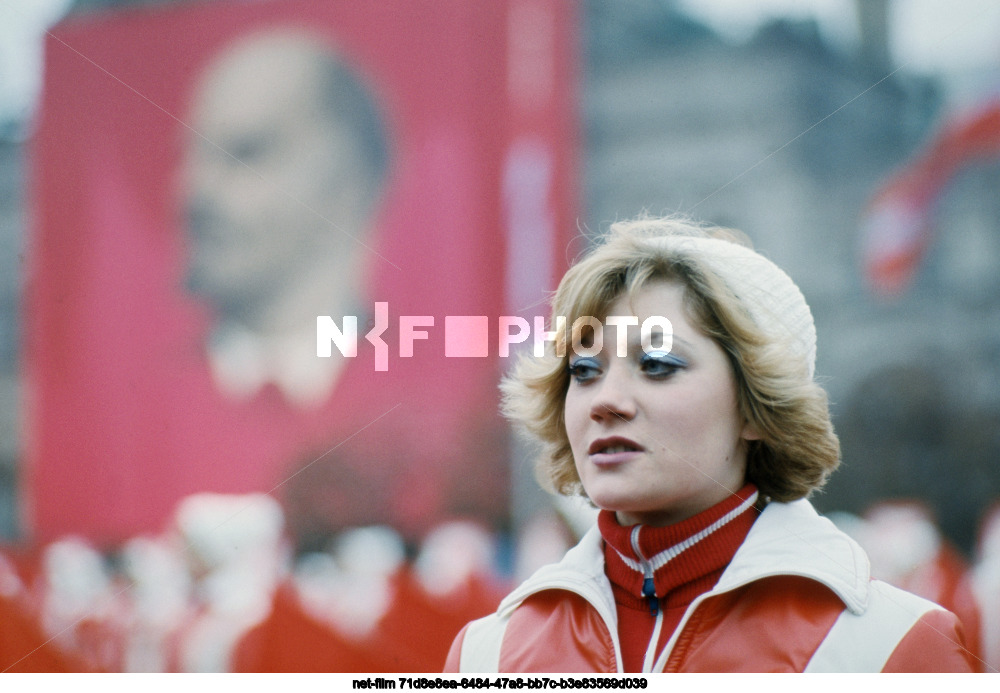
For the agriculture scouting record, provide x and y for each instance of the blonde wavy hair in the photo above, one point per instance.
(797, 449)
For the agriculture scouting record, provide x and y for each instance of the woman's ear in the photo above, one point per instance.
(749, 432)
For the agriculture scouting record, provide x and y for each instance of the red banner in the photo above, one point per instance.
(208, 180)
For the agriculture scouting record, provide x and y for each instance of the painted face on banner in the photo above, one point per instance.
(277, 187)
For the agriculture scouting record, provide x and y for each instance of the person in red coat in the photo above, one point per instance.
(678, 396)
(908, 551)
(24, 646)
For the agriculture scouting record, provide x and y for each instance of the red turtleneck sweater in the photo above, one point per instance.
(683, 561)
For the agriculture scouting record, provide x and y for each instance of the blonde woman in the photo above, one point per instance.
(679, 398)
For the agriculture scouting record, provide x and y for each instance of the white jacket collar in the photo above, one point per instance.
(581, 570)
(787, 539)
(792, 539)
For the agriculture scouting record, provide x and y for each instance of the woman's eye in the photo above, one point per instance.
(583, 370)
(660, 364)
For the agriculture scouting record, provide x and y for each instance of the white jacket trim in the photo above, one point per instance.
(481, 646)
(863, 644)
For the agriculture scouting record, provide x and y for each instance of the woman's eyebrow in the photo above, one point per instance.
(635, 341)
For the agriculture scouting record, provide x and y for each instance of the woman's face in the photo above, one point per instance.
(656, 437)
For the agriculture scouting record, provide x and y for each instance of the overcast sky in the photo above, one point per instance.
(22, 26)
(956, 39)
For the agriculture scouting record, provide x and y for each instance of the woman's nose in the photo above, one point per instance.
(613, 398)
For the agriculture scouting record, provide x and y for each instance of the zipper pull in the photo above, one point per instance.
(649, 592)
(648, 588)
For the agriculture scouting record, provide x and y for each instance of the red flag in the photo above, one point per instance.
(897, 226)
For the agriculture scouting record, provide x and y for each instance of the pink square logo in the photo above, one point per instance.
(467, 336)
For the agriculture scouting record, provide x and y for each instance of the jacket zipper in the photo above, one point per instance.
(648, 584)
(649, 592)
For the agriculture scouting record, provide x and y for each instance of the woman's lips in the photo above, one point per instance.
(613, 450)
(607, 459)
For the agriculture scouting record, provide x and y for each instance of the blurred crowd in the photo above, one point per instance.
(222, 589)
(907, 549)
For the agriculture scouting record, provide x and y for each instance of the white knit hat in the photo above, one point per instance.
(772, 299)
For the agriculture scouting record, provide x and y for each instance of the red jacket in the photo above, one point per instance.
(797, 596)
